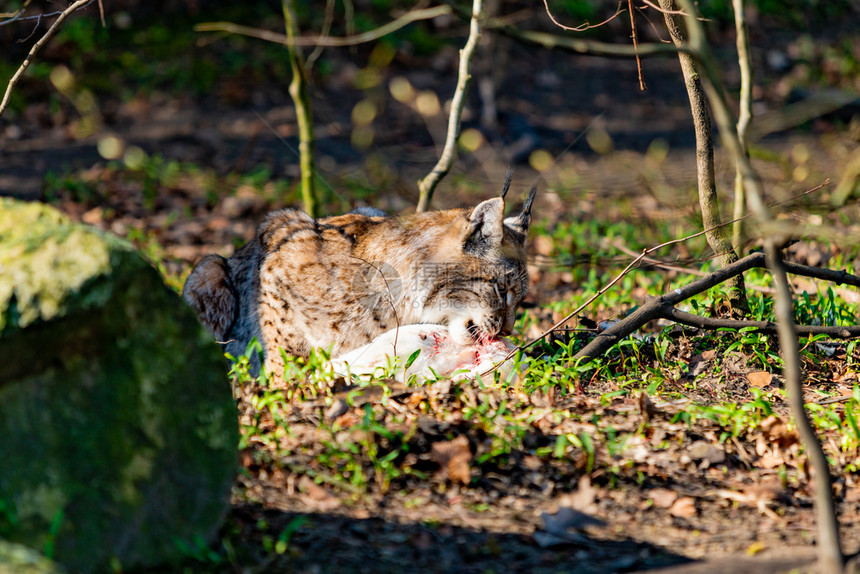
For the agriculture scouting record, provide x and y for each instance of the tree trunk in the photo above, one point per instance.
(717, 236)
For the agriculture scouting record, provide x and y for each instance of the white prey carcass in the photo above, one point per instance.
(440, 355)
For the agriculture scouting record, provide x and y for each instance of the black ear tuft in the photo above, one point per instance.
(210, 293)
(527, 204)
(509, 177)
(519, 224)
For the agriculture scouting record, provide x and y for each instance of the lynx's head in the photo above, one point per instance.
(483, 278)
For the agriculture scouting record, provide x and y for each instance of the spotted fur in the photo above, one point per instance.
(338, 282)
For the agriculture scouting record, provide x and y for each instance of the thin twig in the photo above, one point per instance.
(390, 299)
(19, 14)
(590, 47)
(324, 31)
(581, 27)
(642, 86)
(427, 186)
(327, 41)
(36, 47)
(662, 10)
(36, 27)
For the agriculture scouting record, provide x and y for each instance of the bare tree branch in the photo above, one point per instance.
(327, 41)
(427, 185)
(19, 14)
(579, 46)
(663, 307)
(712, 323)
(651, 309)
(581, 27)
(35, 49)
(642, 86)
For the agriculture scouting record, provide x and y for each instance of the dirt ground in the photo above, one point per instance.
(672, 499)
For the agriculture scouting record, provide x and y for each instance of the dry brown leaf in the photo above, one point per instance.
(312, 489)
(766, 491)
(699, 363)
(684, 507)
(663, 497)
(758, 495)
(776, 431)
(583, 498)
(760, 445)
(316, 495)
(647, 408)
(771, 460)
(246, 458)
(454, 457)
(759, 379)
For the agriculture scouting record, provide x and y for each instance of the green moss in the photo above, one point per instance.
(18, 559)
(45, 262)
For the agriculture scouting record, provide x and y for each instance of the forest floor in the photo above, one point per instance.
(676, 447)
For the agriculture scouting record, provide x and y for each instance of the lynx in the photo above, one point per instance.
(338, 282)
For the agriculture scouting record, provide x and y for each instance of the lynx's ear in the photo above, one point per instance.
(485, 228)
(519, 225)
(210, 293)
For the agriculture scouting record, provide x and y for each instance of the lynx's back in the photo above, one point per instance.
(338, 282)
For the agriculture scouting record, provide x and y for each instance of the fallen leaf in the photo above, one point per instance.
(759, 379)
(583, 498)
(338, 407)
(755, 548)
(246, 458)
(771, 460)
(453, 457)
(684, 507)
(703, 450)
(647, 408)
(312, 489)
(662, 497)
(316, 495)
(776, 431)
(700, 363)
(758, 495)
(760, 445)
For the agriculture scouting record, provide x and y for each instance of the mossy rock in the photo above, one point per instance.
(119, 427)
(19, 559)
